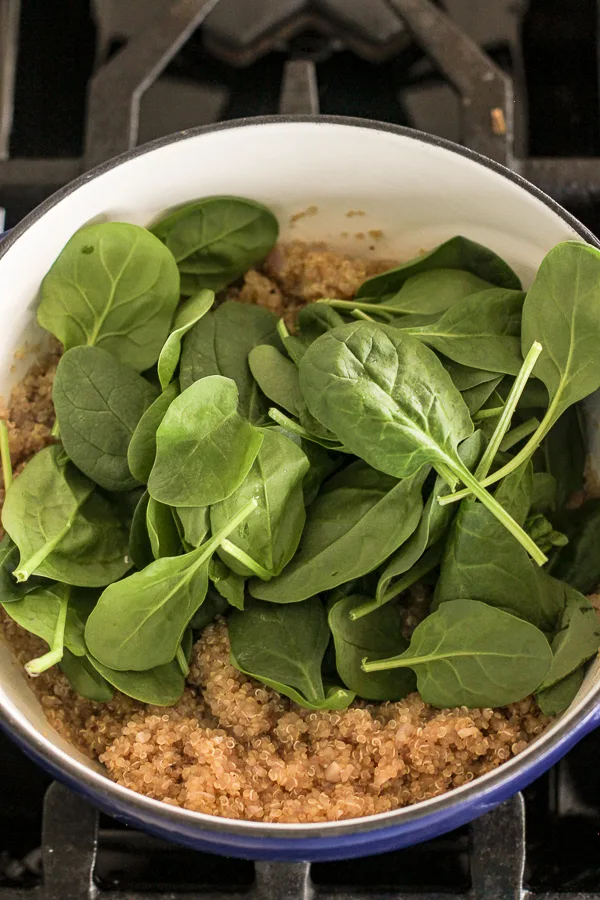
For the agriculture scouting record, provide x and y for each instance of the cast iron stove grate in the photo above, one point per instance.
(356, 57)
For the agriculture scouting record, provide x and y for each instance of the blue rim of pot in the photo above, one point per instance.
(358, 836)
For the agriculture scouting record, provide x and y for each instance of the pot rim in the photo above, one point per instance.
(571, 727)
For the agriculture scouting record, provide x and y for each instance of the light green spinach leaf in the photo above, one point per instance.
(63, 530)
(115, 286)
(187, 316)
(270, 535)
(162, 530)
(139, 622)
(204, 448)
(141, 452)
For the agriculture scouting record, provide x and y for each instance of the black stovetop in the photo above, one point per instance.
(251, 57)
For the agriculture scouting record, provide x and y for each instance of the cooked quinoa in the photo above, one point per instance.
(232, 747)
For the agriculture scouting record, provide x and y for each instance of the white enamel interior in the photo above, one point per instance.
(416, 193)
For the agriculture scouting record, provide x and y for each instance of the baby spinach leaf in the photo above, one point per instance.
(140, 549)
(195, 521)
(63, 531)
(543, 533)
(470, 654)
(158, 686)
(270, 534)
(432, 526)
(561, 313)
(162, 530)
(277, 377)
(219, 344)
(465, 377)
(228, 583)
(99, 401)
(390, 401)
(284, 646)
(139, 622)
(84, 678)
(481, 331)
(477, 397)
(217, 239)
(456, 253)
(555, 700)
(204, 448)
(38, 612)
(322, 464)
(577, 640)
(436, 291)
(385, 396)
(10, 589)
(482, 561)
(359, 517)
(187, 316)
(543, 494)
(114, 285)
(564, 450)
(141, 452)
(377, 636)
(315, 319)
(579, 562)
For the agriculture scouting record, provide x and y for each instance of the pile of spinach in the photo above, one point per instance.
(210, 463)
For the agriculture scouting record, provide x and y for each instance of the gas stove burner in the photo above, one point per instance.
(240, 33)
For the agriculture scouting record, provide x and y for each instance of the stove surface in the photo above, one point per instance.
(533, 66)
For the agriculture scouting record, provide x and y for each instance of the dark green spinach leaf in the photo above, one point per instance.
(217, 239)
(390, 401)
(470, 654)
(230, 585)
(377, 636)
(277, 377)
(219, 344)
(579, 562)
(284, 646)
(359, 518)
(140, 549)
(435, 291)
(481, 331)
(84, 678)
(577, 639)
(456, 253)
(99, 402)
(159, 686)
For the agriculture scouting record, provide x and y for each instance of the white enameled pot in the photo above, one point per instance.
(412, 191)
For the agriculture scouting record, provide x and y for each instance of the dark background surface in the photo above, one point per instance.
(551, 49)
